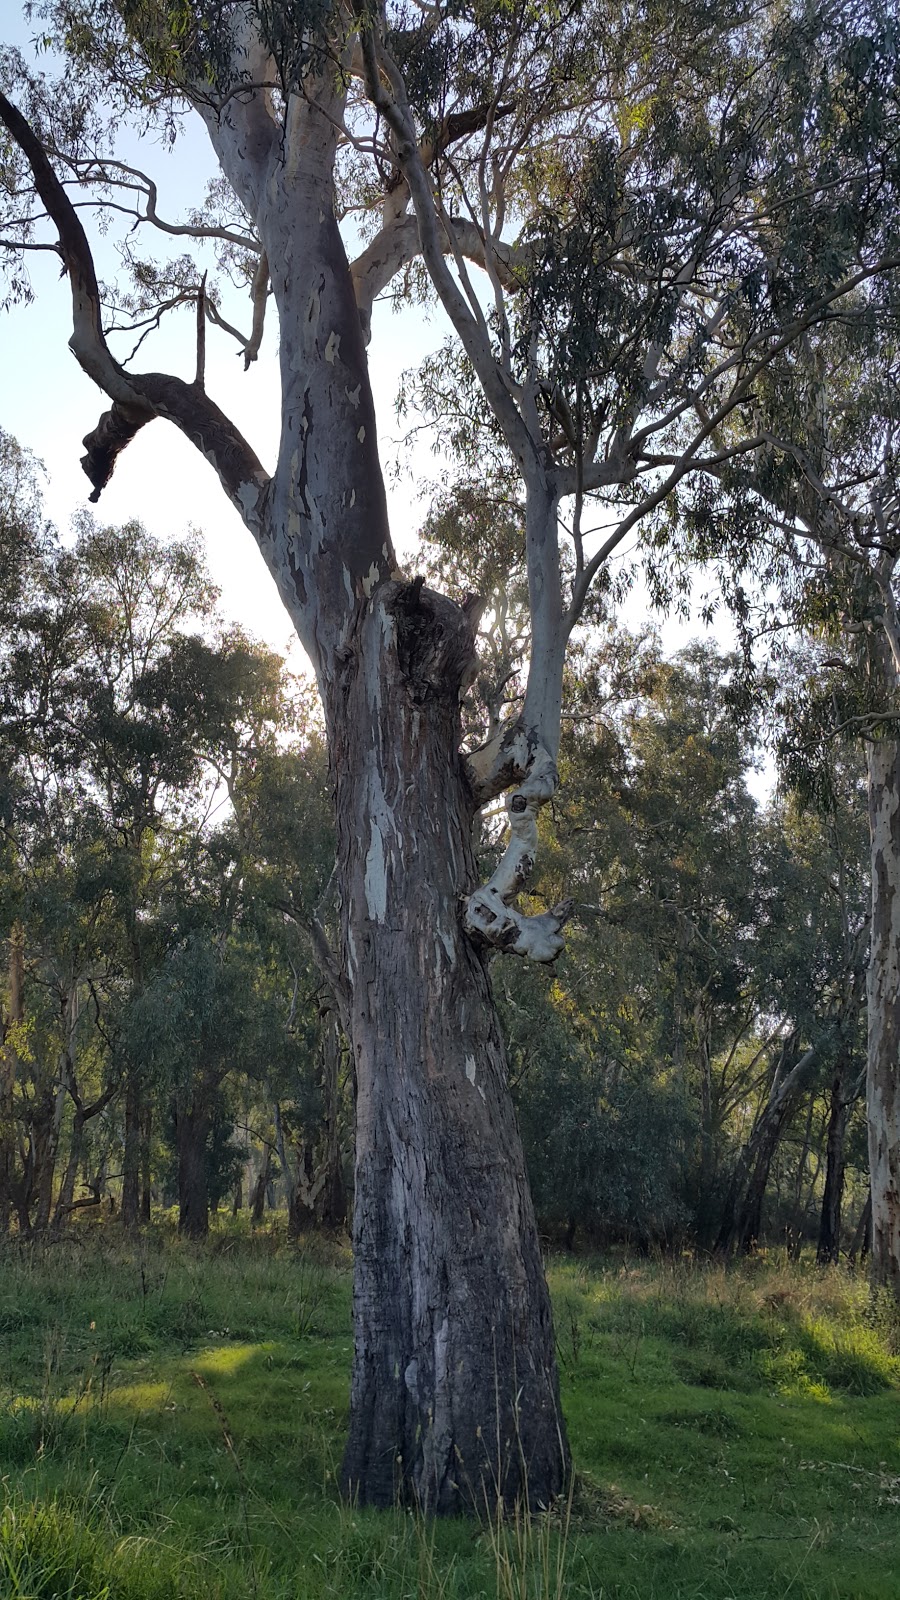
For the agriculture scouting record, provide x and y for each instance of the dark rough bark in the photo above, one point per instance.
(883, 1080)
(453, 1337)
(192, 1124)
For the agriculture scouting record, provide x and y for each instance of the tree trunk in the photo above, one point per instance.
(144, 1152)
(454, 1396)
(828, 1249)
(883, 1079)
(47, 1132)
(8, 1068)
(333, 1210)
(131, 1154)
(191, 1139)
(742, 1212)
(862, 1238)
(258, 1193)
(64, 1202)
(52, 1110)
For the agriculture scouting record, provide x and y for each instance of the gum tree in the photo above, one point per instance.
(587, 193)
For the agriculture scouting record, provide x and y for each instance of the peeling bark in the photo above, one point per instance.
(454, 1393)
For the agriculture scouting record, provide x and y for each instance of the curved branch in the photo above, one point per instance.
(137, 398)
(398, 243)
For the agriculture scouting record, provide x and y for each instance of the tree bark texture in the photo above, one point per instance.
(454, 1390)
(883, 1076)
(191, 1139)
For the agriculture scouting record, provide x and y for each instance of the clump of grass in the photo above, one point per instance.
(51, 1552)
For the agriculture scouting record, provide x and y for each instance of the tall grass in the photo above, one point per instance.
(171, 1418)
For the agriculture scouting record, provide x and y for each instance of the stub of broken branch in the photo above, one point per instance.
(490, 916)
(105, 443)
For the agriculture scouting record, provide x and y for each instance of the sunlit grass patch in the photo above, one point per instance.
(734, 1432)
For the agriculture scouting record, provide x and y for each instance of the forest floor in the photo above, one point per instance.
(171, 1422)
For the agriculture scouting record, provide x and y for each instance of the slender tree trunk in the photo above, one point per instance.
(454, 1393)
(829, 1246)
(8, 1069)
(742, 1211)
(145, 1146)
(862, 1238)
(46, 1152)
(705, 1207)
(67, 1188)
(883, 1080)
(131, 1153)
(258, 1193)
(191, 1140)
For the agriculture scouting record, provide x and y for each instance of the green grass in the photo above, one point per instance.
(171, 1422)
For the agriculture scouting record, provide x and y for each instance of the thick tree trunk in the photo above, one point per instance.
(883, 1078)
(454, 1392)
(191, 1139)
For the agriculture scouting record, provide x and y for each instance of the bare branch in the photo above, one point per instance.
(137, 398)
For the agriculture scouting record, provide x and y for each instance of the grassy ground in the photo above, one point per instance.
(171, 1422)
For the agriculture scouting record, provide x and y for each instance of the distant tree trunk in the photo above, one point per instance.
(829, 1245)
(883, 1080)
(862, 1238)
(131, 1154)
(65, 1199)
(46, 1147)
(258, 1192)
(452, 1325)
(702, 1027)
(192, 1127)
(742, 1212)
(8, 1070)
(145, 1147)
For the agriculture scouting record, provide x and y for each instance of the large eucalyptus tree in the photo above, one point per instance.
(588, 189)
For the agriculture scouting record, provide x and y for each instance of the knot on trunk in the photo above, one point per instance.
(435, 641)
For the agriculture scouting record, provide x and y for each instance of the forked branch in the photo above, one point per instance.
(137, 398)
